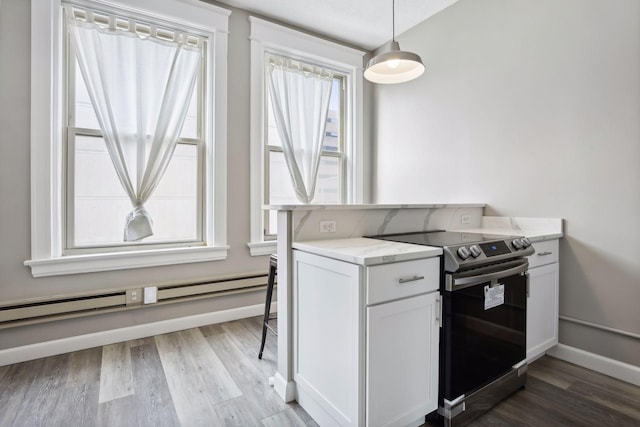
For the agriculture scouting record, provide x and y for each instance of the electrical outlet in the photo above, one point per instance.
(134, 296)
(150, 294)
(328, 226)
(465, 219)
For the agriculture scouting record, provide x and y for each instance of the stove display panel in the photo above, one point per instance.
(494, 248)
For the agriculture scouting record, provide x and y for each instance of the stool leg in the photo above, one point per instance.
(267, 307)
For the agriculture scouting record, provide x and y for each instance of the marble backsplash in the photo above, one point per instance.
(366, 220)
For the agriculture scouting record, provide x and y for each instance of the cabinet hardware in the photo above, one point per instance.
(439, 311)
(528, 278)
(544, 253)
(410, 279)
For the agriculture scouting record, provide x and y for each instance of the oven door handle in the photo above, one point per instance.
(454, 283)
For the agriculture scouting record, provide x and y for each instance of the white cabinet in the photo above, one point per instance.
(542, 305)
(402, 366)
(366, 340)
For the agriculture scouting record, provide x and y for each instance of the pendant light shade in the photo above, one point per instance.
(393, 65)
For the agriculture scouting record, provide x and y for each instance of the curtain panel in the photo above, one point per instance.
(300, 96)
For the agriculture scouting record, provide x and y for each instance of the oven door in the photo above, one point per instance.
(484, 328)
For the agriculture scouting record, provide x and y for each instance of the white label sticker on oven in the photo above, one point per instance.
(493, 296)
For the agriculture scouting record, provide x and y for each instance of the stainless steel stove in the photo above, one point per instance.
(483, 336)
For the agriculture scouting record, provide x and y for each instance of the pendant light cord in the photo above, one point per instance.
(393, 20)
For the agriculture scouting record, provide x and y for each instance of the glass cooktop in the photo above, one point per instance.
(440, 238)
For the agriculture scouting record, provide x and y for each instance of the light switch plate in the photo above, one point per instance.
(150, 294)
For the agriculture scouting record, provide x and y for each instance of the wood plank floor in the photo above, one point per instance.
(559, 393)
(211, 376)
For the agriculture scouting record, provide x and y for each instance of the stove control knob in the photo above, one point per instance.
(525, 242)
(463, 252)
(475, 251)
(516, 244)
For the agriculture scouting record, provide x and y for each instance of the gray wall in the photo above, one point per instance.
(16, 281)
(534, 108)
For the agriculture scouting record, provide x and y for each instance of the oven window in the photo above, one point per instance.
(482, 344)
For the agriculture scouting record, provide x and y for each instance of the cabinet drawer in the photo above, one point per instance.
(402, 279)
(546, 253)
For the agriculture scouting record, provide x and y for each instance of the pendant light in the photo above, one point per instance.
(393, 65)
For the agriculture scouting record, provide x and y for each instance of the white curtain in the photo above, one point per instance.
(140, 87)
(300, 101)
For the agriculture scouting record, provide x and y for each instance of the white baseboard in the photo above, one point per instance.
(82, 342)
(604, 365)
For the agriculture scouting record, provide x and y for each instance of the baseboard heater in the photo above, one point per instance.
(38, 310)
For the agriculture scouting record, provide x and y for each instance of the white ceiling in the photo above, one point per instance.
(363, 23)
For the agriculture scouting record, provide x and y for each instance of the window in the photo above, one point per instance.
(330, 186)
(79, 205)
(340, 174)
(93, 192)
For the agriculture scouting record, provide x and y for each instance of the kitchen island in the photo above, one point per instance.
(300, 223)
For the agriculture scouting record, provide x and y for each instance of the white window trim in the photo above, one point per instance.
(266, 36)
(46, 139)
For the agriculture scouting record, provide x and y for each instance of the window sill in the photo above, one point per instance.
(76, 264)
(262, 248)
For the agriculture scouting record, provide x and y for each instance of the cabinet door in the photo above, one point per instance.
(327, 327)
(402, 360)
(542, 310)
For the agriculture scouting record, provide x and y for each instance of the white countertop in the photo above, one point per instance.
(535, 229)
(364, 251)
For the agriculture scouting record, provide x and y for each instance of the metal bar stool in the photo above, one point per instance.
(273, 269)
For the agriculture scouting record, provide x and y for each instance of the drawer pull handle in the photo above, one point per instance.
(410, 279)
(544, 253)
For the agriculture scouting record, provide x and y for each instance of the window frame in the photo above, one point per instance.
(71, 131)
(47, 133)
(267, 37)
